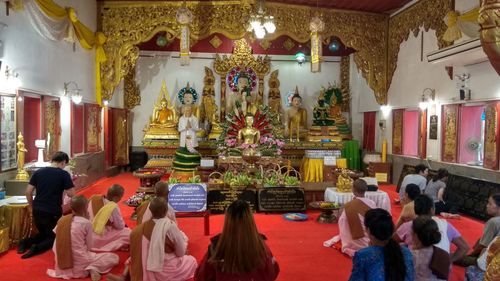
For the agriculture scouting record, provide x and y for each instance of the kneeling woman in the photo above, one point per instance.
(239, 252)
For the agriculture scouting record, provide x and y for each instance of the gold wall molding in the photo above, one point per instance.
(344, 83)
(131, 90)
(375, 37)
(426, 13)
(127, 24)
(489, 20)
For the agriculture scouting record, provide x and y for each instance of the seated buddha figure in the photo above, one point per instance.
(296, 117)
(321, 110)
(249, 134)
(164, 116)
(163, 122)
(243, 101)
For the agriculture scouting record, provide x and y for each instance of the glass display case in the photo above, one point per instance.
(8, 132)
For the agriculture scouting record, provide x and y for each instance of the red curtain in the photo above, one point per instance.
(369, 131)
(410, 132)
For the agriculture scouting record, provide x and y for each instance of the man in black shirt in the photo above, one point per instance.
(50, 184)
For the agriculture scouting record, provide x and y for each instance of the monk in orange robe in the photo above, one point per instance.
(110, 231)
(351, 221)
(72, 246)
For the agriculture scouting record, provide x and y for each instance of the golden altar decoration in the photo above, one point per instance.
(163, 123)
(274, 96)
(242, 57)
(489, 20)
(127, 25)
(344, 181)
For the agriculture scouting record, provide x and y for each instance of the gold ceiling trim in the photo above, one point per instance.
(126, 26)
(426, 13)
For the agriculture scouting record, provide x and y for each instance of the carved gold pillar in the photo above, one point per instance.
(344, 84)
(450, 133)
(222, 98)
(492, 135)
(260, 98)
(132, 94)
(489, 20)
(397, 131)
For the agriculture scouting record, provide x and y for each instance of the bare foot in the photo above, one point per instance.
(94, 275)
(450, 216)
(114, 277)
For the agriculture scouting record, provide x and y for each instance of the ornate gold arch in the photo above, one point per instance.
(242, 57)
(127, 24)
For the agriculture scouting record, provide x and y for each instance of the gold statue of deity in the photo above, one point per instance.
(296, 117)
(21, 152)
(249, 134)
(163, 122)
(344, 182)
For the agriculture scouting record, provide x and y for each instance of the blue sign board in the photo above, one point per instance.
(188, 197)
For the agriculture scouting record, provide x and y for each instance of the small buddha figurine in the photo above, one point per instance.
(21, 152)
(243, 101)
(249, 134)
(344, 182)
(163, 121)
(164, 116)
(296, 116)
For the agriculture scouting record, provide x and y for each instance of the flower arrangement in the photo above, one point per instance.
(271, 138)
(137, 199)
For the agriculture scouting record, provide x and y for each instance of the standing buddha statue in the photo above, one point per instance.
(296, 117)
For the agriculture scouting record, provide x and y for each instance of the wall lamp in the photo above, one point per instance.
(428, 96)
(11, 80)
(74, 92)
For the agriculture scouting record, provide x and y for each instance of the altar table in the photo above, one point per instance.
(15, 221)
(380, 197)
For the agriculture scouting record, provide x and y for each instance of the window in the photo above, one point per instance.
(471, 134)
(411, 132)
(8, 132)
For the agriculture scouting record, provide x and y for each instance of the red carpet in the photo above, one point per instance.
(298, 246)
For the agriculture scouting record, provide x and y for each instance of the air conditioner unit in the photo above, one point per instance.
(463, 53)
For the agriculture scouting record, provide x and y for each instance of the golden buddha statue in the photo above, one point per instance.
(249, 134)
(214, 117)
(296, 117)
(163, 122)
(344, 182)
(21, 152)
(164, 116)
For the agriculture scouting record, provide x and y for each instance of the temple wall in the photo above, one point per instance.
(44, 65)
(413, 74)
(151, 71)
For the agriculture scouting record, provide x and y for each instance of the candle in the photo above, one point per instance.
(384, 151)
